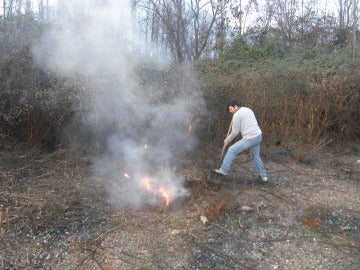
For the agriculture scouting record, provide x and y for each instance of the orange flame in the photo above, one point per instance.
(146, 183)
(149, 186)
(145, 146)
(126, 175)
(165, 195)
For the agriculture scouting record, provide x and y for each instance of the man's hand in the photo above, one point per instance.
(226, 143)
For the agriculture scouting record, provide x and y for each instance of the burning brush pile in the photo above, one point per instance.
(157, 190)
(141, 180)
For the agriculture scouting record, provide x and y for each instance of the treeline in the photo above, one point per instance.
(191, 30)
(195, 29)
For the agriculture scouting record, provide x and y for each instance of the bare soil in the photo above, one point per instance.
(54, 214)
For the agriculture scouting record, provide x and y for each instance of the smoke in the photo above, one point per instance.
(145, 123)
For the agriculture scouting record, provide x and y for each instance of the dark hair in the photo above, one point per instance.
(233, 103)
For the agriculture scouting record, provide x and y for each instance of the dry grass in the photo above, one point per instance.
(55, 215)
(290, 105)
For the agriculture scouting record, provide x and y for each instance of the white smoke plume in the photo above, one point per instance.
(145, 125)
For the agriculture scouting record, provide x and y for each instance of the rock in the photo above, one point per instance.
(175, 232)
(203, 219)
(246, 208)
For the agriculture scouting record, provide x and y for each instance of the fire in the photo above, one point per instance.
(147, 184)
(165, 195)
(190, 128)
(126, 175)
(145, 146)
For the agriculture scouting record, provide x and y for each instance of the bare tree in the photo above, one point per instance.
(222, 27)
(241, 11)
(10, 5)
(354, 30)
(346, 29)
(202, 25)
(42, 10)
(19, 6)
(185, 27)
(286, 18)
(344, 11)
(15, 7)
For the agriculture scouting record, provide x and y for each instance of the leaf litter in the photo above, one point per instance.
(55, 215)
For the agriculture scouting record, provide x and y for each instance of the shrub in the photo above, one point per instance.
(35, 106)
(293, 102)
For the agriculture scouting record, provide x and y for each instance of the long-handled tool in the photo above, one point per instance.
(222, 152)
(213, 175)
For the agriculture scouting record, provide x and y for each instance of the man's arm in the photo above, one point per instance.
(235, 130)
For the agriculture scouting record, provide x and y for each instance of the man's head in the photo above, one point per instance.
(233, 106)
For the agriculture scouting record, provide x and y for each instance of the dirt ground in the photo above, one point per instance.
(54, 214)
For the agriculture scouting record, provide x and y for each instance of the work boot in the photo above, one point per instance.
(220, 171)
(264, 179)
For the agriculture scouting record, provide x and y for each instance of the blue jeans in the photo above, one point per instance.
(240, 146)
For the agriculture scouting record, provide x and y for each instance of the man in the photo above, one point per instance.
(244, 122)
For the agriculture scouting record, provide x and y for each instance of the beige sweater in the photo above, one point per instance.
(244, 122)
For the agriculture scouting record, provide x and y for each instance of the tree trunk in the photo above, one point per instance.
(354, 43)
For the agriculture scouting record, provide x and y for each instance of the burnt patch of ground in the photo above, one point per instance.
(55, 215)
